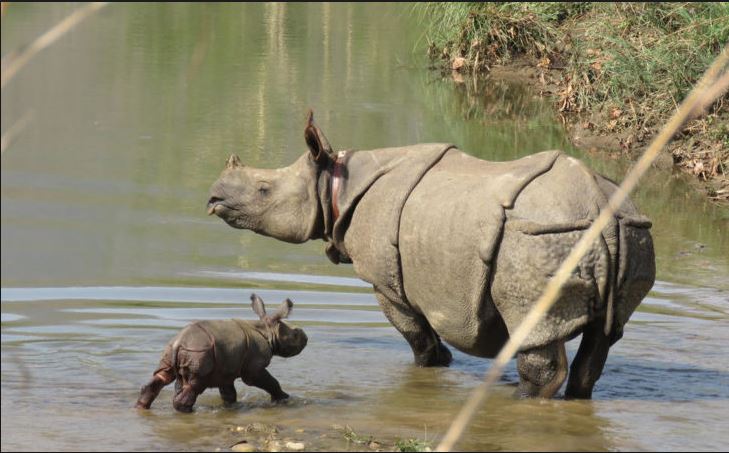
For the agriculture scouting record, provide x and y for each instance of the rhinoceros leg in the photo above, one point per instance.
(265, 381)
(151, 390)
(588, 363)
(187, 389)
(228, 393)
(425, 343)
(542, 370)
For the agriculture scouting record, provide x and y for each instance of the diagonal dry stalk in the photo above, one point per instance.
(713, 84)
(15, 130)
(13, 62)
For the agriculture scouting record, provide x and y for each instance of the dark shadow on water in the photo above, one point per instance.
(624, 378)
(649, 380)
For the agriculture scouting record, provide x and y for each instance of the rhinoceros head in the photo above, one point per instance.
(283, 202)
(287, 341)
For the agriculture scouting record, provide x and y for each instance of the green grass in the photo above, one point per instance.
(624, 53)
(412, 445)
(355, 438)
(404, 445)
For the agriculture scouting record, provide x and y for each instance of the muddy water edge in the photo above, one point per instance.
(107, 251)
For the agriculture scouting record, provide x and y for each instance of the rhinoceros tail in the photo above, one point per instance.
(176, 348)
(631, 269)
(610, 236)
(636, 270)
(173, 360)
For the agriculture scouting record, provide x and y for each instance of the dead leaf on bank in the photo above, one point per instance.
(544, 63)
(566, 98)
(615, 113)
(458, 63)
(457, 77)
(714, 167)
(698, 169)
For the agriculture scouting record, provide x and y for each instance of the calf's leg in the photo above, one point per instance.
(265, 381)
(151, 390)
(187, 390)
(542, 370)
(425, 343)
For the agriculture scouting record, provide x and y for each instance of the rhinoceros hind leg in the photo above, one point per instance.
(542, 370)
(588, 363)
(184, 400)
(187, 389)
(228, 393)
(425, 343)
(151, 390)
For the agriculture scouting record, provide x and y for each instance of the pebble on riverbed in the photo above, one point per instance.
(243, 446)
(256, 428)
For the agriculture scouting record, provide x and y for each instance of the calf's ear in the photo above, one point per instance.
(283, 311)
(258, 306)
(319, 147)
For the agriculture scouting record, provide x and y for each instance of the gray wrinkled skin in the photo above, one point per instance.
(209, 354)
(458, 249)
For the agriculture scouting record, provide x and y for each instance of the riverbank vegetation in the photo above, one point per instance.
(616, 71)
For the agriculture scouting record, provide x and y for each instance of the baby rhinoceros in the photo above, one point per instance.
(215, 353)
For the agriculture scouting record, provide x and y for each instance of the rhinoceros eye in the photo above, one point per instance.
(263, 189)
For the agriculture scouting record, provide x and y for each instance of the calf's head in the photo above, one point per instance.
(282, 203)
(286, 340)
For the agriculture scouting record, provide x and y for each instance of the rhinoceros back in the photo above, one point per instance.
(217, 347)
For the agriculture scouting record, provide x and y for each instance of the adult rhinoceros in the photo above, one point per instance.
(458, 249)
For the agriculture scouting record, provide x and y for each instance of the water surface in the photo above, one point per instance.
(107, 251)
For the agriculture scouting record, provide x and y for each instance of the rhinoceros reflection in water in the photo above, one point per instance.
(458, 249)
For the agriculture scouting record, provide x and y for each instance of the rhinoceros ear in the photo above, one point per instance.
(283, 311)
(258, 307)
(318, 144)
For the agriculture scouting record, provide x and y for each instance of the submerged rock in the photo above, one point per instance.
(273, 445)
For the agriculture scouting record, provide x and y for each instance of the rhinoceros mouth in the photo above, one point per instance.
(215, 206)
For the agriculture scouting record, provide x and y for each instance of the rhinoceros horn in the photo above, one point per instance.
(321, 150)
(233, 162)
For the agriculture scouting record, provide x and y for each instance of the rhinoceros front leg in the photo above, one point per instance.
(542, 370)
(425, 343)
(265, 381)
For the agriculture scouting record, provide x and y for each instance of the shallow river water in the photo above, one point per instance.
(107, 251)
